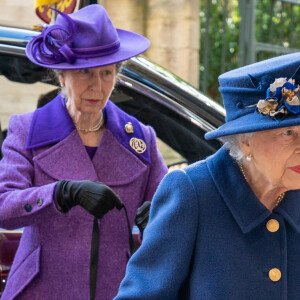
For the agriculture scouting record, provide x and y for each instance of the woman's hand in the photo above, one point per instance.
(95, 197)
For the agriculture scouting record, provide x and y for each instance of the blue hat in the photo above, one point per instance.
(261, 96)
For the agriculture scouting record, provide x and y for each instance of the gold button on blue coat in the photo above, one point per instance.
(274, 274)
(272, 225)
(39, 202)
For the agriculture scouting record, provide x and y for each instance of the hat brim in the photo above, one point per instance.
(251, 123)
(131, 44)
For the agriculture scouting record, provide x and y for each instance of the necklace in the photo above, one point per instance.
(279, 198)
(92, 129)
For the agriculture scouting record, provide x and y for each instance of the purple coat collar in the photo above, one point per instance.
(52, 123)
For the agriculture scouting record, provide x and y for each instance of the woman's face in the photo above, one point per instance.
(88, 89)
(276, 156)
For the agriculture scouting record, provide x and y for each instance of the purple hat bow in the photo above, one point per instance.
(54, 45)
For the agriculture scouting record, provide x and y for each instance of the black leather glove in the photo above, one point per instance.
(95, 197)
(142, 216)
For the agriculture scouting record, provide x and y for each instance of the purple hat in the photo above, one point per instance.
(261, 96)
(84, 39)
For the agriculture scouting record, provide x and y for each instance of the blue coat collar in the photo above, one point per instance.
(247, 210)
(52, 123)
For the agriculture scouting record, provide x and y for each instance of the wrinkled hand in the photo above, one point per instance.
(95, 197)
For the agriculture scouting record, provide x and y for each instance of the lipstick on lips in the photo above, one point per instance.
(296, 169)
(92, 101)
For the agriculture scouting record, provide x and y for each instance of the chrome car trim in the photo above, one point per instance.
(13, 50)
(19, 35)
(175, 80)
(166, 101)
(170, 85)
(11, 231)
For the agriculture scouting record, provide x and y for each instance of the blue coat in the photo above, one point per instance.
(207, 238)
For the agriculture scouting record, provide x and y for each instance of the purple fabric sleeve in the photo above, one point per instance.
(54, 197)
(21, 203)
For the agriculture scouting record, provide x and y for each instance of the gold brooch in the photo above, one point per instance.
(288, 94)
(128, 127)
(137, 145)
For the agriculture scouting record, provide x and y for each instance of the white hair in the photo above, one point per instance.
(232, 143)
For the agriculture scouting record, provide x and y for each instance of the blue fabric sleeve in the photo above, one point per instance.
(160, 266)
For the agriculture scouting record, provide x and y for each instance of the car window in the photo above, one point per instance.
(170, 156)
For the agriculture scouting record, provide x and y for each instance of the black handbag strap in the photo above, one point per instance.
(95, 253)
(131, 241)
(94, 259)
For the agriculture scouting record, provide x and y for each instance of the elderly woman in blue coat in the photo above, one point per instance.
(228, 227)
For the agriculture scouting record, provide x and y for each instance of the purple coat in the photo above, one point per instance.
(52, 261)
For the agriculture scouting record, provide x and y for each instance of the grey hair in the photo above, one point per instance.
(232, 143)
(55, 73)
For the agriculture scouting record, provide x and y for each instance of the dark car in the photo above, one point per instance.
(178, 112)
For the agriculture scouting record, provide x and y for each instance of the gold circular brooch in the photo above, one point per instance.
(137, 145)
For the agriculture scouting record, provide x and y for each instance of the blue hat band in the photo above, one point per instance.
(242, 101)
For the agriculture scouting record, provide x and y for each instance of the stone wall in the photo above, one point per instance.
(17, 12)
(172, 27)
(18, 97)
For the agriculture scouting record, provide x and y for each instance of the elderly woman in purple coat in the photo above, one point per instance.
(71, 166)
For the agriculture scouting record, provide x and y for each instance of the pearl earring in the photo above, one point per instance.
(61, 84)
(249, 157)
